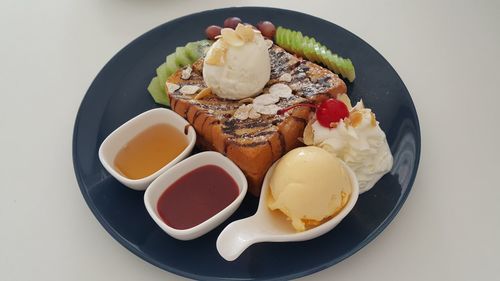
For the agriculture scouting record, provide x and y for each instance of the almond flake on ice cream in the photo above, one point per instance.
(216, 55)
(269, 43)
(230, 36)
(245, 32)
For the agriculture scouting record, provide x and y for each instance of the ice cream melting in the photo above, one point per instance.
(237, 65)
(309, 185)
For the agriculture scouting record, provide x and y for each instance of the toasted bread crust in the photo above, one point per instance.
(254, 145)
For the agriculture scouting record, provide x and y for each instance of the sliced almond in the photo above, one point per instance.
(245, 32)
(345, 99)
(296, 86)
(246, 100)
(189, 89)
(266, 99)
(242, 112)
(216, 55)
(269, 43)
(203, 94)
(253, 114)
(171, 87)
(231, 37)
(270, 109)
(285, 77)
(308, 134)
(186, 73)
(281, 90)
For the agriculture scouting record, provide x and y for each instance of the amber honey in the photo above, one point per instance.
(150, 150)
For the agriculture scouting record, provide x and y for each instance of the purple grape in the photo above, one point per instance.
(267, 29)
(232, 22)
(212, 31)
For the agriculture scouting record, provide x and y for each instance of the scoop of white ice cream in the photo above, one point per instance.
(242, 73)
(360, 143)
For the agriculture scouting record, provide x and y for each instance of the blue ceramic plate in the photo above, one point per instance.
(119, 93)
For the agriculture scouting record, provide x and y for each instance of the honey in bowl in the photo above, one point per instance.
(149, 151)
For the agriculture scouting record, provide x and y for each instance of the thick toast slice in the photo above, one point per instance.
(254, 144)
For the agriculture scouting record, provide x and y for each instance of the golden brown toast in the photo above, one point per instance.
(254, 144)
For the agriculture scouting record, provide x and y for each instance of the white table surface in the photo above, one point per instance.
(447, 54)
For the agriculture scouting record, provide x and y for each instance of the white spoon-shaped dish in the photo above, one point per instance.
(272, 226)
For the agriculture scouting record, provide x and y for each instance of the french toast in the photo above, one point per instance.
(254, 144)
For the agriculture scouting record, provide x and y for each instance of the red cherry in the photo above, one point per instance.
(328, 112)
(331, 111)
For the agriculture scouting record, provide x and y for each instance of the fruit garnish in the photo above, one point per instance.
(267, 29)
(328, 113)
(309, 48)
(232, 22)
(182, 56)
(157, 92)
(212, 31)
(331, 111)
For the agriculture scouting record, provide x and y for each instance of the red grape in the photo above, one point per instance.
(212, 31)
(267, 29)
(232, 22)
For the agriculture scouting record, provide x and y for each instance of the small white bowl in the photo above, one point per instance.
(126, 132)
(163, 182)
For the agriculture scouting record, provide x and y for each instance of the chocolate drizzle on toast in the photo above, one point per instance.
(303, 83)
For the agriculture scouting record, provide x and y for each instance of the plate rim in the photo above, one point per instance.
(145, 257)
